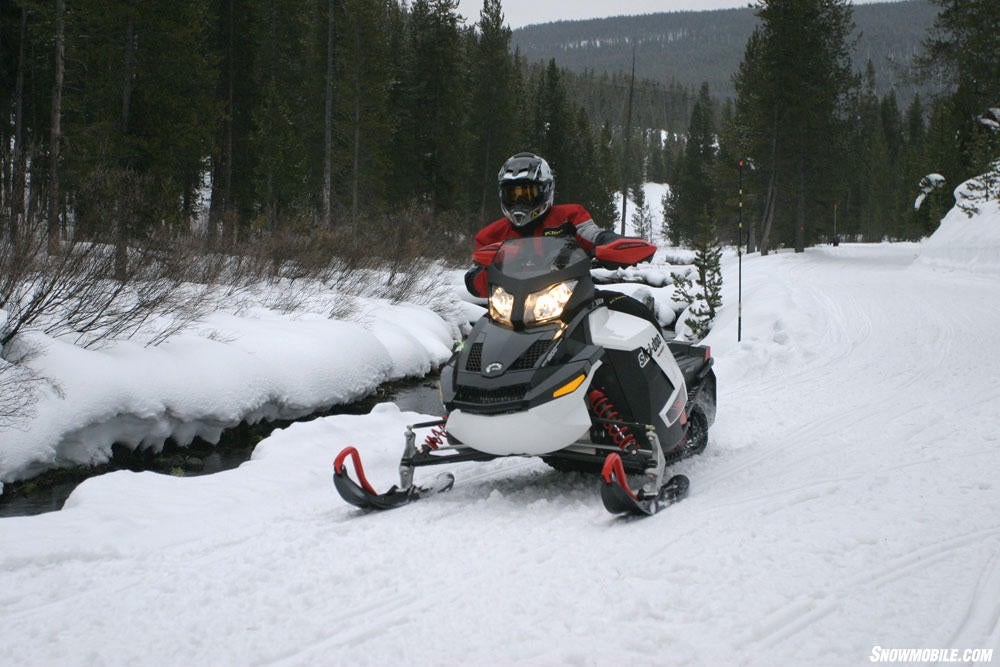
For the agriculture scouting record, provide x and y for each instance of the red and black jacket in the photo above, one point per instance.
(560, 220)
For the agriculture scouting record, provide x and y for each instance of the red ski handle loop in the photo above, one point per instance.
(614, 472)
(338, 468)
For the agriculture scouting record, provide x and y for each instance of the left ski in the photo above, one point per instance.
(364, 495)
(618, 498)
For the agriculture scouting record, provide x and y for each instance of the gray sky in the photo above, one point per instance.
(525, 12)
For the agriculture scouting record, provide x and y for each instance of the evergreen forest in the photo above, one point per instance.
(377, 127)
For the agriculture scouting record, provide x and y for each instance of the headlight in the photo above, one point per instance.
(548, 304)
(501, 304)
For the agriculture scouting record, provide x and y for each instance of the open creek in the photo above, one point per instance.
(49, 496)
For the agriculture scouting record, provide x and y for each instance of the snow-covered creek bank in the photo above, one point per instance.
(48, 492)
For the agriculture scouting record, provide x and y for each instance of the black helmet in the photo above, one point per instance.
(527, 188)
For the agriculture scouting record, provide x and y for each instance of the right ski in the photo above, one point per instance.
(618, 498)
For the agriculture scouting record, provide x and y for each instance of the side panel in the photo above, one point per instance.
(635, 348)
(619, 331)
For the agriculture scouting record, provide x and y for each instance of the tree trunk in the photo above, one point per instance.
(765, 235)
(17, 176)
(772, 191)
(125, 195)
(800, 209)
(228, 209)
(628, 136)
(271, 207)
(55, 133)
(328, 120)
(357, 126)
(484, 183)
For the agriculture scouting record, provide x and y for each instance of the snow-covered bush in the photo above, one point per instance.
(972, 194)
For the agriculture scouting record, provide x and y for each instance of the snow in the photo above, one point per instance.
(963, 243)
(654, 193)
(847, 500)
(255, 364)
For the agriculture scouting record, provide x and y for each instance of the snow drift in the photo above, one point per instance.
(847, 501)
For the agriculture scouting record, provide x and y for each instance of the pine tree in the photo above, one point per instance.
(428, 160)
(962, 46)
(492, 116)
(695, 193)
(642, 217)
(552, 130)
(594, 171)
(604, 181)
(139, 127)
(667, 223)
(233, 199)
(870, 179)
(792, 87)
(703, 293)
(364, 124)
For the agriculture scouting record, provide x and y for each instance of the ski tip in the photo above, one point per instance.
(618, 500)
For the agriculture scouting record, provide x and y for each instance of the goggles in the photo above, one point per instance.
(521, 193)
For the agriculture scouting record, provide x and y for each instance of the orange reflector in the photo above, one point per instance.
(569, 387)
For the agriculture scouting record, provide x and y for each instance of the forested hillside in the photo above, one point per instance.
(121, 120)
(688, 48)
(346, 124)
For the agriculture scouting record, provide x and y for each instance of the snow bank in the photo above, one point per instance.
(847, 500)
(259, 364)
(253, 360)
(966, 242)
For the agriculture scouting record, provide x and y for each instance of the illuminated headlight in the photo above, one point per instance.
(548, 304)
(501, 304)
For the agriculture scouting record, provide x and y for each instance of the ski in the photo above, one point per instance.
(363, 495)
(618, 498)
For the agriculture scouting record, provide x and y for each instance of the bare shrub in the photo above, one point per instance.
(19, 387)
(158, 279)
(85, 292)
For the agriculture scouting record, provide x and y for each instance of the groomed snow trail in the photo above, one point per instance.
(847, 499)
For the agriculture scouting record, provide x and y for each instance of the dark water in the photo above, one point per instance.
(238, 444)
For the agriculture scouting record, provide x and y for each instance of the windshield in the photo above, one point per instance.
(534, 257)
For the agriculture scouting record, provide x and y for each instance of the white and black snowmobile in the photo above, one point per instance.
(584, 379)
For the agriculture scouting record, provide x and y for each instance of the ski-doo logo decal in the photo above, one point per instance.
(647, 352)
(494, 369)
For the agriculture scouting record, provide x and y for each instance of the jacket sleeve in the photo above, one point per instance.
(587, 231)
(610, 248)
(475, 278)
(496, 231)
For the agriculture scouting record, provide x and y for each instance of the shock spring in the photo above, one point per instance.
(602, 407)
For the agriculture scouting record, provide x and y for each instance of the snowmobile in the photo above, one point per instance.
(583, 378)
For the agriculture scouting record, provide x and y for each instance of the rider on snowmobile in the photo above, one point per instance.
(527, 189)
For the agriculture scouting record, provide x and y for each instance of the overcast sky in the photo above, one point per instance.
(525, 12)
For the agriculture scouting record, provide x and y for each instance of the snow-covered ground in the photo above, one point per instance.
(251, 360)
(247, 361)
(847, 500)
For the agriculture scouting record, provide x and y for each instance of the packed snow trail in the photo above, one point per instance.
(847, 500)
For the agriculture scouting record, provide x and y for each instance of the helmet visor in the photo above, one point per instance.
(521, 193)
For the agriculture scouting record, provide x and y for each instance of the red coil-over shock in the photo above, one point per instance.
(601, 406)
(438, 437)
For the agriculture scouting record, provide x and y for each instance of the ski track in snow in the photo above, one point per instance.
(847, 499)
